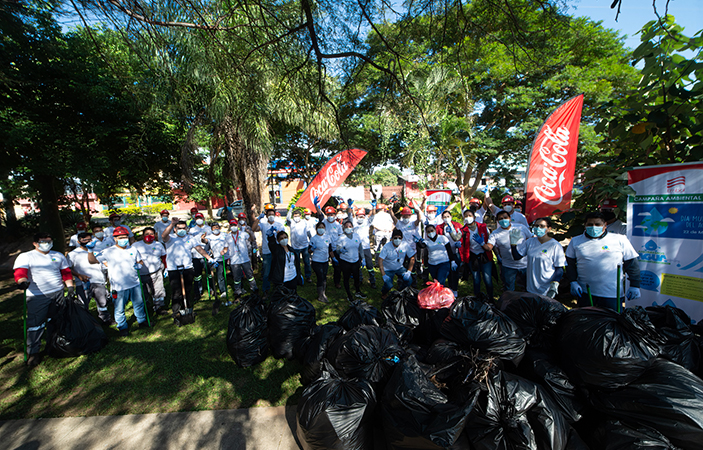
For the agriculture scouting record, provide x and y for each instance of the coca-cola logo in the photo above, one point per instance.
(330, 180)
(553, 149)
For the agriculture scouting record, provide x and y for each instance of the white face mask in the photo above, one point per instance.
(431, 216)
(45, 246)
(307, 216)
(320, 231)
(448, 220)
(431, 234)
(242, 223)
(469, 220)
(296, 219)
(199, 221)
(271, 218)
(283, 242)
(100, 234)
(348, 231)
(164, 218)
(397, 241)
(508, 208)
(405, 220)
(123, 242)
(330, 219)
(215, 232)
(359, 220)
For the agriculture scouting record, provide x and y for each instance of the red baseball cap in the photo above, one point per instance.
(233, 222)
(165, 212)
(81, 225)
(609, 203)
(120, 231)
(199, 216)
(193, 209)
(241, 215)
(330, 210)
(508, 199)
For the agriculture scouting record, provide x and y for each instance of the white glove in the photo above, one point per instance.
(515, 236)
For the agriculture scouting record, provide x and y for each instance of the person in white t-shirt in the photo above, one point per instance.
(299, 240)
(217, 243)
(123, 264)
(545, 258)
(508, 205)
(116, 221)
(390, 263)
(198, 230)
(91, 278)
(179, 262)
(441, 258)
(411, 234)
(382, 225)
(41, 273)
(477, 208)
(80, 228)
(362, 227)
(593, 259)
(237, 244)
(333, 231)
(154, 255)
(500, 241)
(351, 259)
(162, 223)
(321, 249)
(101, 239)
(266, 221)
(613, 224)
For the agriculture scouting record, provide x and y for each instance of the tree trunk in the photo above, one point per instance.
(11, 223)
(50, 217)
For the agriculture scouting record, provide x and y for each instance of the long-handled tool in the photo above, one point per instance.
(186, 314)
(146, 309)
(25, 326)
(617, 292)
(590, 298)
(224, 269)
(207, 279)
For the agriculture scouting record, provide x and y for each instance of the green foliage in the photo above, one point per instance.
(156, 208)
(127, 211)
(295, 199)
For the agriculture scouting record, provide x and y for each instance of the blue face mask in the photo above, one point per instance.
(181, 232)
(123, 242)
(594, 231)
(164, 218)
(539, 231)
(505, 223)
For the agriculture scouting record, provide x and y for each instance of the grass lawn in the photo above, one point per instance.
(164, 369)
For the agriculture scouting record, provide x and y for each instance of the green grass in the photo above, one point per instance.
(164, 369)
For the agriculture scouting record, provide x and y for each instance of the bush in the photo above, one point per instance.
(130, 210)
(156, 208)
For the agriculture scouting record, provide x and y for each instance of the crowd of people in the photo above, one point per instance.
(408, 246)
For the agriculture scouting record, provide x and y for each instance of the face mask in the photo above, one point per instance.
(508, 208)
(296, 219)
(83, 244)
(608, 215)
(123, 242)
(431, 234)
(271, 218)
(405, 220)
(199, 221)
(330, 219)
(539, 231)
(283, 242)
(359, 221)
(100, 234)
(45, 246)
(448, 220)
(215, 232)
(149, 238)
(320, 231)
(181, 232)
(518, 209)
(505, 223)
(431, 216)
(397, 241)
(594, 231)
(307, 216)
(242, 223)
(117, 222)
(469, 220)
(164, 218)
(348, 231)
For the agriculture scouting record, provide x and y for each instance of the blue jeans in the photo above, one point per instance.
(510, 275)
(404, 279)
(306, 261)
(266, 284)
(484, 271)
(135, 295)
(440, 271)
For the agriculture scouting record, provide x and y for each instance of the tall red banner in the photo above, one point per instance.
(550, 174)
(330, 177)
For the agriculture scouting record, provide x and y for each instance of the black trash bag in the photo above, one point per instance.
(542, 368)
(429, 330)
(481, 326)
(247, 333)
(680, 345)
(290, 320)
(536, 315)
(360, 313)
(666, 397)
(336, 413)
(367, 352)
(515, 413)
(402, 313)
(416, 414)
(619, 435)
(316, 346)
(73, 331)
(599, 347)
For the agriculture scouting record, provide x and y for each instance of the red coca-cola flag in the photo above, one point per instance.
(550, 173)
(330, 177)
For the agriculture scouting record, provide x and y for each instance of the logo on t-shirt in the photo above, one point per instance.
(544, 250)
(605, 248)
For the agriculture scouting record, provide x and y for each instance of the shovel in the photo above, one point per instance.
(186, 315)
(25, 326)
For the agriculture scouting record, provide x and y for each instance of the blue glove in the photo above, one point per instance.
(454, 266)
(418, 240)
(342, 250)
(457, 244)
(91, 244)
(387, 279)
(576, 290)
(271, 231)
(316, 202)
(139, 266)
(214, 263)
(302, 281)
(350, 202)
(633, 293)
(335, 261)
(363, 262)
(261, 216)
(313, 246)
(373, 203)
(478, 239)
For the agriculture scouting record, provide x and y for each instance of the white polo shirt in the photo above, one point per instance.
(362, 230)
(78, 260)
(298, 234)
(160, 226)
(597, 261)
(500, 239)
(237, 244)
(178, 251)
(265, 226)
(120, 267)
(393, 256)
(321, 254)
(542, 260)
(348, 247)
(44, 271)
(196, 233)
(151, 255)
(437, 250)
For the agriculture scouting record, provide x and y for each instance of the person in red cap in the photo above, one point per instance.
(238, 245)
(41, 273)
(115, 221)
(152, 272)
(362, 227)
(333, 230)
(452, 231)
(200, 229)
(383, 225)
(476, 207)
(264, 225)
(299, 240)
(518, 207)
(123, 264)
(90, 279)
(614, 225)
(411, 234)
(507, 205)
(162, 223)
(80, 228)
(193, 212)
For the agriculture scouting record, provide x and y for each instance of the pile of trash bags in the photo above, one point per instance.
(73, 331)
(526, 373)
